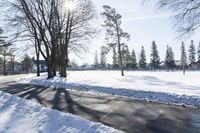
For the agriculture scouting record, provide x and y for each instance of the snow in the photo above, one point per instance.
(167, 87)
(19, 115)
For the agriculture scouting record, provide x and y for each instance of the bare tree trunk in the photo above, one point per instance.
(38, 64)
(50, 67)
(50, 71)
(37, 57)
(120, 59)
(120, 53)
(4, 66)
(183, 69)
(13, 64)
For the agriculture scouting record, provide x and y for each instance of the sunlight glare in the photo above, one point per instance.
(70, 5)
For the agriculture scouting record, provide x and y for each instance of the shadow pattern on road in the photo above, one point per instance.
(130, 117)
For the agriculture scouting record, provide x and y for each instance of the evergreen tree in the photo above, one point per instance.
(115, 59)
(155, 59)
(169, 59)
(142, 61)
(133, 60)
(96, 62)
(103, 53)
(192, 53)
(2, 38)
(183, 57)
(27, 63)
(126, 58)
(198, 53)
(114, 31)
(5, 50)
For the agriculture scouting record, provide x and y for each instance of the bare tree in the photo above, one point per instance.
(56, 28)
(114, 31)
(187, 18)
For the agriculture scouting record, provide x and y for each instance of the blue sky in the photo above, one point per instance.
(145, 24)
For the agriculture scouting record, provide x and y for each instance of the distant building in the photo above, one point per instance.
(178, 65)
(43, 66)
(194, 66)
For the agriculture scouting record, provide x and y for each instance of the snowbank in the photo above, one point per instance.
(167, 87)
(18, 115)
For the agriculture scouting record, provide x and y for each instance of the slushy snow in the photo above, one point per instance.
(21, 116)
(167, 87)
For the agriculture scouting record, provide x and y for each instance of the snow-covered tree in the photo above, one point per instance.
(155, 59)
(192, 53)
(183, 57)
(142, 60)
(169, 59)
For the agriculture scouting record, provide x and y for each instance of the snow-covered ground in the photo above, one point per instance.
(19, 115)
(168, 87)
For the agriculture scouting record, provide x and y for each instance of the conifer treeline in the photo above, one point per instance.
(130, 61)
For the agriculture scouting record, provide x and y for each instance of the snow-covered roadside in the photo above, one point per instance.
(18, 115)
(167, 87)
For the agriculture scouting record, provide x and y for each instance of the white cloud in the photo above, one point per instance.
(147, 17)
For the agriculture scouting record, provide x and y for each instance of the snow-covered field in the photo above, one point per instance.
(168, 87)
(19, 115)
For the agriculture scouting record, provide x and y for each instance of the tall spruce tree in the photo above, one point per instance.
(133, 60)
(183, 57)
(96, 62)
(192, 52)
(169, 59)
(198, 53)
(126, 58)
(155, 59)
(115, 59)
(27, 63)
(103, 53)
(142, 60)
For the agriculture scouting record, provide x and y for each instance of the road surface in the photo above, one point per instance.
(128, 115)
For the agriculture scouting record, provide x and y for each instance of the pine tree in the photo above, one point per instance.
(155, 59)
(2, 38)
(169, 59)
(142, 61)
(115, 59)
(183, 57)
(192, 52)
(114, 31)
(96, 62)
(126, 57)
(103, 53)
(27, 63)
(5, 50)
(198, 53)
(133, 60)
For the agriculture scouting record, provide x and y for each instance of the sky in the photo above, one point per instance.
(145, 23)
